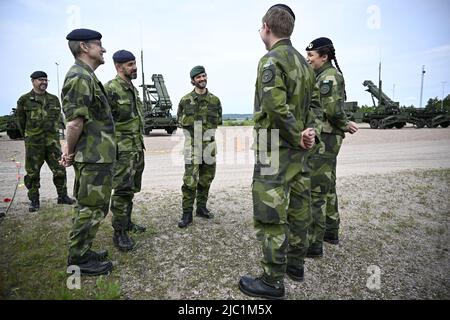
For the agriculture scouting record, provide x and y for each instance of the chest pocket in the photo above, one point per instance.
(213, 114)
(53, 112)
(189, 110)
(124, 111)
(102, 110)
(33, 112)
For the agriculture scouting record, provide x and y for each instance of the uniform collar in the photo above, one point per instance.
(285, 42)
(124, 83)
(84, 65)
(196, 95)
(34, 94)
(326, 65)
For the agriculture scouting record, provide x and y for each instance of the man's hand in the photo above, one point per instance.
(66, 159)
(308, 138)
(352, 127)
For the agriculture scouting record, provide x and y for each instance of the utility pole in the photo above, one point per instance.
(421, 86)
(443, 90)
(393, 91)
(380, 100)
(57, 78)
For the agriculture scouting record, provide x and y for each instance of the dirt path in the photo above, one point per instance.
(367, 152)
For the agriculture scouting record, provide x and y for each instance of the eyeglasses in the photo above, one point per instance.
(97, 42)
(43, 80)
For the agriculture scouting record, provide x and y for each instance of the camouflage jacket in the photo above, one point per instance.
(205, 108)
(286, 95)
(83, 96)
(127, 112)
(39, 118)
(332, 93)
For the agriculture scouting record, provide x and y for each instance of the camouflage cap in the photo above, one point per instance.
(319, 43)
(122, 56)
(284, 7)
(196, 71)
(84, 35)
(38, 74)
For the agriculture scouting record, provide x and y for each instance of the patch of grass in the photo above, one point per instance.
(107, 290)
(33, 265)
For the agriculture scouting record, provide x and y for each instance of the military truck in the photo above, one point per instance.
(430, 117)
(157, 104)
(8, 123)
(387, 114)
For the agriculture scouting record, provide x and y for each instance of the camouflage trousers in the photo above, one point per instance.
(92, 189)
(282, 212)
(35, 155)
(324, 201)
(126, 182)
(199, 172)
(197, 180)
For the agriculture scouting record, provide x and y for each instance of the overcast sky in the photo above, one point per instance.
(223, 36)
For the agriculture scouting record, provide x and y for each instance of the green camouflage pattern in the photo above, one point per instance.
(286, 103)
(284, 70)
(127, 111)
(332, 209)
(205, 108)
(83, 96)
(282, 212)
(199, 116)
(35, 155)
(126, 182)
(332, 98)
(323, 161)
(39, 118)
(92, 189)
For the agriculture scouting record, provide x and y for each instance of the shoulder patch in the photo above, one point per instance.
(325, 87)
(267, 75)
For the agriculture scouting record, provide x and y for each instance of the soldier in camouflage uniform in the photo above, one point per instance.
(90, 147)
(325, 224)
(128, 118)
(39, 119)
(199, 113)
(284, 121)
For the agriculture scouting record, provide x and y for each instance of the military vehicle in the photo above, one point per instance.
(157, 104)
(9, 124)
(387, 113)
(430, 117)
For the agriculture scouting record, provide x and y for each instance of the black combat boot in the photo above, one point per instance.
(315, 250)
(258, 287)
(186, 219)
(331, 237)
(65, 199)
(34, 205)
(101, 255)
(133, 227)
(296, 273)
(122, 241)
(90, 265)
(204, 213)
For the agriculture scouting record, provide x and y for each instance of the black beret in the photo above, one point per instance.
(38, 74)
(319, 43)
(284, 7)
(122, 56)
(83, 35)
(196, 71)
